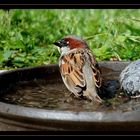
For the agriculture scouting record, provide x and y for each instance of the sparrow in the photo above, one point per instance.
(79, 69)
(130, 79)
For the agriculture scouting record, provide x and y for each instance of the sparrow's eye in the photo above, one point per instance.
(61, 43)
(64, 42)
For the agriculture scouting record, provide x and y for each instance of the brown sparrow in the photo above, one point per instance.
(79, 68)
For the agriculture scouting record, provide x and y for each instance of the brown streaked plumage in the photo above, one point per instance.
(79, 68)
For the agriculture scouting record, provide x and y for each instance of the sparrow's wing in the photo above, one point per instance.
(71, 70)
(95, 67)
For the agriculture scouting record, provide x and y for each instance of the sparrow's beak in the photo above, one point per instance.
(57, 44)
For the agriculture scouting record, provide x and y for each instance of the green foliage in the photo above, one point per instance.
(26, 35)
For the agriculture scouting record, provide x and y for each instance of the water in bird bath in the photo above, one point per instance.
(55, 96)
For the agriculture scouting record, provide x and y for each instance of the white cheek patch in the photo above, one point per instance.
(64, 50)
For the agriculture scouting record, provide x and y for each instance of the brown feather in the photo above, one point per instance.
(71, 68)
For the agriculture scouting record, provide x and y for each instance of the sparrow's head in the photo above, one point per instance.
(70, 42)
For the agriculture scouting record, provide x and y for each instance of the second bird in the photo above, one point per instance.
(79, 69)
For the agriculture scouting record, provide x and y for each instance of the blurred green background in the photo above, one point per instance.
(26, 35)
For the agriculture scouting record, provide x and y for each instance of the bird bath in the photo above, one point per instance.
(35, 98)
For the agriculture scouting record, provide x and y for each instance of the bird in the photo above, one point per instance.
(79, 69)
(130, 79)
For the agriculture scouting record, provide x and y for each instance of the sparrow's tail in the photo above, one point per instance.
(92, 96)
(91, 90)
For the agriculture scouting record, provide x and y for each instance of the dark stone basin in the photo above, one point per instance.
(54, 109)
